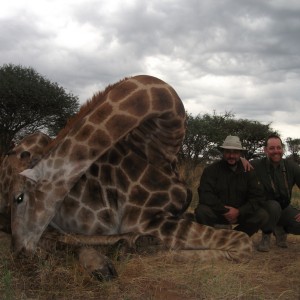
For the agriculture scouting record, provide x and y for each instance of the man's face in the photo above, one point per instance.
(274, 150)
(231, 156)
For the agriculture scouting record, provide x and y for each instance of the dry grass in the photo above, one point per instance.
(56, 275)
(296, 197)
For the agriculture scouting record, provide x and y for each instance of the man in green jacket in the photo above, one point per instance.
(228, 195)
(278, 176)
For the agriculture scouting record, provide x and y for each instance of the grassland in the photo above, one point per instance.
(56, 275)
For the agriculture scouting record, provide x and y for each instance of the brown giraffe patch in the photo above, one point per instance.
(133, 166)
(138, 195)
(99, 139)
(94, 170)
(114, 157)
(162, 100)
(153, 180)
(120, 123)
(101, 115)
(79, 153)
(124, 88)
(84, 132)
(135, 105)
(70, 205)
(86, 215)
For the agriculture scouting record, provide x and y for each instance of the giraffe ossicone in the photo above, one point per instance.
(112, 172)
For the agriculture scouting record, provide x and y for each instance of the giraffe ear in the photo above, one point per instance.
(30, 174)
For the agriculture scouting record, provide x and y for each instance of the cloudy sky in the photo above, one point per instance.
(239, 56)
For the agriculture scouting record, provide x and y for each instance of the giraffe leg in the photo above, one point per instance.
(185, 235)
(97, 264)
(127, 242)
(222, 243)
(92, 240)
(202, 256)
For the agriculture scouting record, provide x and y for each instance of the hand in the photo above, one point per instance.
(297, 217)
(232, 214)
(247, 166)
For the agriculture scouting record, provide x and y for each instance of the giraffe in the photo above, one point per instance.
(112, 172)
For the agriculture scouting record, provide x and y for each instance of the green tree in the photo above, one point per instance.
(205, 132)
(252, 134)
(29, 102)
(293, 146)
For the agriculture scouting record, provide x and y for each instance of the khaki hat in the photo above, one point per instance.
(232, 142)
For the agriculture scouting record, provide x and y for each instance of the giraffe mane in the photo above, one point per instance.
(85, 109)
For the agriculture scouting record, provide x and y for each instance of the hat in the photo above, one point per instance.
(232, 142)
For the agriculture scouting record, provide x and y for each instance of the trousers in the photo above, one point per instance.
(282, 217)
(249, 224)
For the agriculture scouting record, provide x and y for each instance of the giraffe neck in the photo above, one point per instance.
(142, 106)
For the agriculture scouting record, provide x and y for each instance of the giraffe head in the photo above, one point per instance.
(24, 210)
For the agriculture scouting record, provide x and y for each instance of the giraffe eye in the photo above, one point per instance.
(19, 199)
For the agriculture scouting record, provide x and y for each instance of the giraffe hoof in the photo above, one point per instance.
(106, 273)
(97, 264)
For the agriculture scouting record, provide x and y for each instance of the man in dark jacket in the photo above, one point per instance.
(228, 195)
(278, 176)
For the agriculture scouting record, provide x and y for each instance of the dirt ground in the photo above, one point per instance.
(281, 268)
(272, 275)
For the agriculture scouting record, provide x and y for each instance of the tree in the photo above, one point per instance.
(29, 102)
(205, 132)
(251, 133)
(293, 146)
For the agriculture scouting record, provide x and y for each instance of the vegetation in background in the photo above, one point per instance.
(293, 146)
(28, 103)
(206, 132)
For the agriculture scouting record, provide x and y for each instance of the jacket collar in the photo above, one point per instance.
(270, 166)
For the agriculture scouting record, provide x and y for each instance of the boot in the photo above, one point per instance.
(264, 245)
(281, 237)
